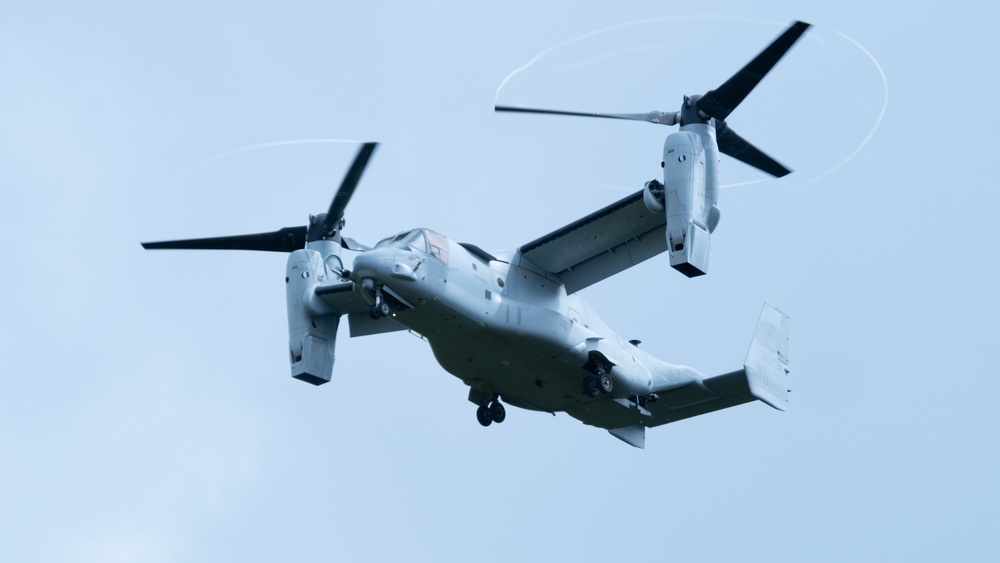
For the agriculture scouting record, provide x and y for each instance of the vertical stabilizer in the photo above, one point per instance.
(766, 365)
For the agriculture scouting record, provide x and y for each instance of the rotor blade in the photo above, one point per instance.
(658, 117)
(737, 147)
(347, 187)
(719, 103)
(288, 239)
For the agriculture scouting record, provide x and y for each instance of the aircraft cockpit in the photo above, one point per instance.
(419, 240)
(412, 240)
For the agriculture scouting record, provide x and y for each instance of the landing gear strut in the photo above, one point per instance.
(491, 412)
(380, 308)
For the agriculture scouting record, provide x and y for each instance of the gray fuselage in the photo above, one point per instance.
(504, 328)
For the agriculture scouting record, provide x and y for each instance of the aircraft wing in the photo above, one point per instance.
(601, 244)
(342, 298)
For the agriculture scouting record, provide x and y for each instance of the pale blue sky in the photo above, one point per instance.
(146, 411)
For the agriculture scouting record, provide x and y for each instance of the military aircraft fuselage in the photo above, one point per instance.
(506, 329)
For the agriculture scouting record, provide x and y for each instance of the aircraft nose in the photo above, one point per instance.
(383, 264)
(365, 266)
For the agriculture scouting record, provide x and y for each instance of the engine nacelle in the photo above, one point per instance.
(312, 327)
(690, 256)
(690, 164)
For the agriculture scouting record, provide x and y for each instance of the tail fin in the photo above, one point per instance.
(766, 365)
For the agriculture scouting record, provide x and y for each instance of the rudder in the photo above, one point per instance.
(766, 365)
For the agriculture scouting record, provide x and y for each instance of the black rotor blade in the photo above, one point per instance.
(288, 239)
(739, 148)
(347, 187)
(719, 103)
(658, 117)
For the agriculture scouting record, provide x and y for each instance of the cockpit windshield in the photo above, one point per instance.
(414, 240)
(422, 240)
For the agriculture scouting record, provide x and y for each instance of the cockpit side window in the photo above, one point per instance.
(438, 246)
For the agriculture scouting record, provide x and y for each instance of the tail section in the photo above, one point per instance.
(764, 377)
(766, 365)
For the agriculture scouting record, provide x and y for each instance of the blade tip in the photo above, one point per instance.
(781, 172)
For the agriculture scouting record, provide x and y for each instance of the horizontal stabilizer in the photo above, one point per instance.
(766, 365)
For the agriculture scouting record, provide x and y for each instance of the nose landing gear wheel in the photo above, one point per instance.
(381, 307)
(379, 310)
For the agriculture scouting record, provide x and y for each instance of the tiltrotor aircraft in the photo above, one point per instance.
(510, 324)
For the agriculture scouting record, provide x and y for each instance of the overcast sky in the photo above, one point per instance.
(146, 408)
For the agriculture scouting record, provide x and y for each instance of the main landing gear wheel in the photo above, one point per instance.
(484, 416)
(604, 382)
(497, 412)
(595, 384)
(491, 412)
